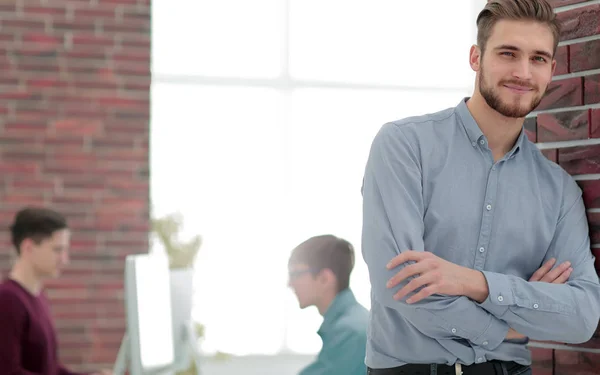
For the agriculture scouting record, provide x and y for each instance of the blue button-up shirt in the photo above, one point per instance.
(431, 184)
(344, 335)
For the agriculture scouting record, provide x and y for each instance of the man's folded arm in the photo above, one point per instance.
(555, 312)
(393, 222)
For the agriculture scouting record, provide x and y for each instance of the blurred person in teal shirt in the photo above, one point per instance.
(319, 273)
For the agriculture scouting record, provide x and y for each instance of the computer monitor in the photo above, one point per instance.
(184, 338)
(148, 344)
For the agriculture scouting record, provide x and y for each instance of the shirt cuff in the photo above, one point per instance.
(500, 295)
(494, 334)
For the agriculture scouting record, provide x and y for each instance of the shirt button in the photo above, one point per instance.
(485, 343)
(481, 249)
(474, 144)
(500, 298)
(488, 207)
(453, 330)
(535, 305)
(482, 142)
(479, 359)
(494, 168)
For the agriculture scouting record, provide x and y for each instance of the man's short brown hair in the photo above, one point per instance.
(516, 10)
(327, 252)
(35, 223)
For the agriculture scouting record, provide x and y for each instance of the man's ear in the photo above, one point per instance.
(475, 58)
(26, 246)
(326, 276)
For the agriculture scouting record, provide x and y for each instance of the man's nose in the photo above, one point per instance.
(522, 69)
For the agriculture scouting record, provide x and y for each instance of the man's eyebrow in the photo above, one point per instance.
(514, 48)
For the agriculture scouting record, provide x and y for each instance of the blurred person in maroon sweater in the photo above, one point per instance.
(28, 343)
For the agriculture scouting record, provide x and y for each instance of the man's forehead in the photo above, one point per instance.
(528, 36)
(298, 266)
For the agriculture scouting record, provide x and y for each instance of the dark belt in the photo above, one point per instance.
(486, 368)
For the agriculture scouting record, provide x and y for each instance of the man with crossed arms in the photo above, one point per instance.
(460, 209)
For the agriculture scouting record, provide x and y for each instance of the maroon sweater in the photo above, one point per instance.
(28, 344)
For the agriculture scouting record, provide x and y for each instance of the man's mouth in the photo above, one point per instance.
(518, 88)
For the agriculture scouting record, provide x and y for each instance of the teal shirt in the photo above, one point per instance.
(344, 336)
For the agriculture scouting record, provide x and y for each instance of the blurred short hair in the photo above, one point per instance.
(37, 224)
(327, 252)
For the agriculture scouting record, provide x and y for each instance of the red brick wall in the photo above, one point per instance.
(569, 127)
(74, 113)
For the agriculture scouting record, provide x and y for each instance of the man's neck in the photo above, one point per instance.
(501, 132)
(24, 275)
(325, 302)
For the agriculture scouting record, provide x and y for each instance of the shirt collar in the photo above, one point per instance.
(476, 135)
(340, 304)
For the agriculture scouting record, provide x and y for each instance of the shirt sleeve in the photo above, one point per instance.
(338, 355)
(393, 211)
(12, 321)
(553, 312)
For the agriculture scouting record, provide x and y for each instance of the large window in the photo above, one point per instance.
(262, 117)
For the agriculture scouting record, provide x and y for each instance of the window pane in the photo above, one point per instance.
(217, 37)
(411, 43)
(330, 138)
(217, 157)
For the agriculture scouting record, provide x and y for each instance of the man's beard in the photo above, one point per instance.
(514, 110)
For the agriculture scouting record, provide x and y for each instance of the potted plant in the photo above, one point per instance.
(181, 255)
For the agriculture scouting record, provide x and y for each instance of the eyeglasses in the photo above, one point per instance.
(297, 273)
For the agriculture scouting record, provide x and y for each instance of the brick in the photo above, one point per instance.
(580, 22)
(83, 39)
(130, 68)
(134, 40)
(76, 126)
(95, 13)
(133, 25)
(131, 54)
(576, 363)
(29, 10)
(31, 128)
(595, 123)
(584, 56)
(45, 39)
(562, 60)
(580, 159)
(75, 24)
(541, 371)
(591, 193)
(591, 88)
(594, 224)
(563, 93)
(130, 2)
(542, 358)
(12, 25)
(136, 13)
(563, 126)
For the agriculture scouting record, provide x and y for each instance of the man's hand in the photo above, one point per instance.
(545, 273)
(559, 275)
(436, 275)
(512, 335)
